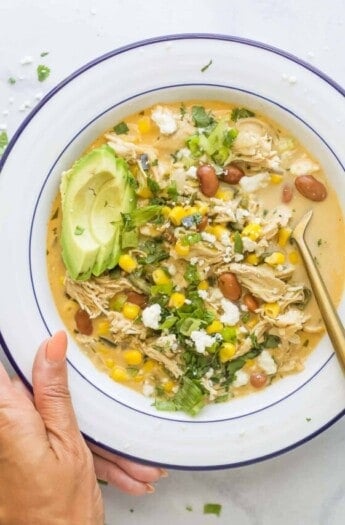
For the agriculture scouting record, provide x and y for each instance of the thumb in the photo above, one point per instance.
(51, 393)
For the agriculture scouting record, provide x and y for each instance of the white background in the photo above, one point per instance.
(307, 485)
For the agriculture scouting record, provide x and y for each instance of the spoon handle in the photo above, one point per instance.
(331, 319)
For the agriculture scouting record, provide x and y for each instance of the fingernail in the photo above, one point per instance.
(56, 348)
(164, 473)
(150, 488)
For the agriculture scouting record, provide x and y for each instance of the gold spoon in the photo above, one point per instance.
(331, 319)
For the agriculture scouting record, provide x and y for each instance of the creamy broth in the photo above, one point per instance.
(326, 239)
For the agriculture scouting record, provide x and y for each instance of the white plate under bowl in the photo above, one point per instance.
(57, 131)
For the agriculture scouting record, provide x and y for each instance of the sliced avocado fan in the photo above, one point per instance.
(94, 193)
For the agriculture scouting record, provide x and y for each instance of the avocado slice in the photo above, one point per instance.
(97, 189)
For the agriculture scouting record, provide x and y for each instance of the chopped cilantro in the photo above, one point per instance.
(183, 110)
(44, 54)
(204, 68)
(191, 274)
(200, 117)
(308, 419)
(11, 80)
(79, 230)
(172, 191)
(238, 243)
(271, 341)
(43, 72)
(121, 128)
(306, 343)
(319, 242)
(212, 508)
(238, 113)
(190, 239)
(153, 186)
(189, 508)
(3, 141)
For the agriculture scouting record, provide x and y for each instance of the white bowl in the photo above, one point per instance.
(57, 131)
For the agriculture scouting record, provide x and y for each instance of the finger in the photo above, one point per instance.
(51, 393)
(107, 471)
(137, 471)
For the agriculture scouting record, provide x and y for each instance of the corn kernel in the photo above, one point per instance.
(181, 250)
(103, 327)
(224, 195)
(283, 236)
(203, 208)
(219, 230)
(168, 386)
(166, 211)
(144, 192)
(276, 178)
(252, 230)
(131, 311)
(253, 259)
(214, 327)
(294, 257)
(275, 258)
(133, 357)
(127, 263)
(109, 363)
(190, 210)
(177, 214)
(177, 300)
(203, 285)
(149, 365)
(62, 279)
(226, 352)
(119, 374)
(272, 309)
(160, 277)
(250, 363)
(144, 124)
(138, 378)
(253, 321)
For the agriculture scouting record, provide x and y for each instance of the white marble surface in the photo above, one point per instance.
(307, 485)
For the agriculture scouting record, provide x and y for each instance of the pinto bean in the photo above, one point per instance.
(287, 193)
(311, 188)
(203, 224)
(258, 379)
(250, 302)
(83, 322)
(208, 179)
(232, 174)
(139, 299)
(229, 286)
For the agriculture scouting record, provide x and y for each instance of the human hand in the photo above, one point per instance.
(46, 470)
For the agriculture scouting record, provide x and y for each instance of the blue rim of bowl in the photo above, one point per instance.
(89, 65)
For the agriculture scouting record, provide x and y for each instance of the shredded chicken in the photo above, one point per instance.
(169, 364)
(94, 294)
(260, 281)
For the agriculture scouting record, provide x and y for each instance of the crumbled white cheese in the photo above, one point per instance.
(3, 127)
(26, 60)
(168, 342)
(238, 257)
(225, 239)
(249, 245)
(11, 100)
(215, 295)
(241, 379)
(254, 182)
(171, 269)
(303, 166)
(209, 373)
(151, 316)
(39, 95)
(203, 294)
(274, 163)
(93, 11)
(183, 152)
(5, 112)
(291, 317)
(187, 301)
(191, 172)
(148, 389)
(292, 79)
(208, 237)
(27, 104)
(267, 363)
(194, 260)
(231, 313)
(165, 120)
(202, 340)
(241, 214)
